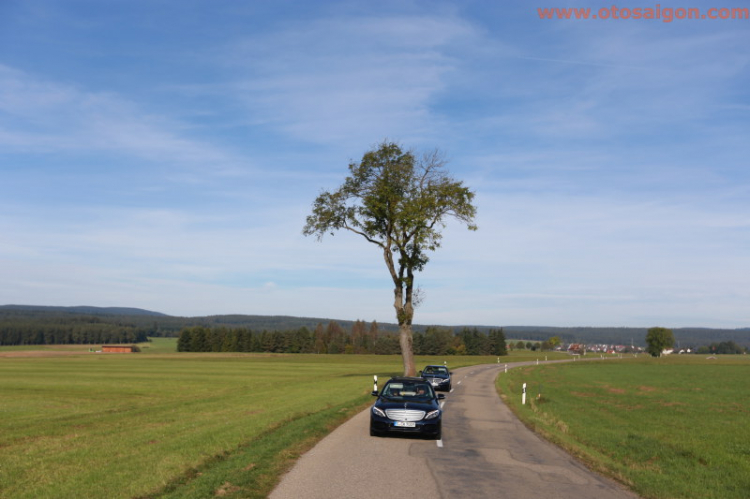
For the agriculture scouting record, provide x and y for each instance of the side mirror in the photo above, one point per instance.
(450, 372)
(420, 374)
(374, 393)
(440, 396)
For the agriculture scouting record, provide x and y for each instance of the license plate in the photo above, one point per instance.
(405, 424)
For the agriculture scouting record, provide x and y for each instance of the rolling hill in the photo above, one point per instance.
(159, 324)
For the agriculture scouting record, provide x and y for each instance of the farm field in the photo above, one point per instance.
(674, 427)
(76, 424)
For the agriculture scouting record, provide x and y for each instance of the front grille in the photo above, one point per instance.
(404, 415)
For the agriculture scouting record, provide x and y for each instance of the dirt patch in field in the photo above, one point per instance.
(618, 391)
(225, 489)
(626, 407)
(585, 395)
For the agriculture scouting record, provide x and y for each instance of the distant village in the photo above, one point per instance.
(581, 349)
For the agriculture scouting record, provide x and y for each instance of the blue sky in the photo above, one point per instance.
(165, 154)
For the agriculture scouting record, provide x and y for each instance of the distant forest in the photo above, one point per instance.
(70, 329)
(29, 325)
(333, 339)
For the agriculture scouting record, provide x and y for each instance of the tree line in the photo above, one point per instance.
(333, 339)
(659, 339)
(32, 319)
(74, 330)
(722, 348)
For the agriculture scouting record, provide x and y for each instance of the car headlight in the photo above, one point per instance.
(433, 414)
(378, 412)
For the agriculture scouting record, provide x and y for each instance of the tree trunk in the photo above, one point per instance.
(407, 352)
(404, 314)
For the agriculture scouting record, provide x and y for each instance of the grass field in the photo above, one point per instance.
(75, 424)
(162, 424)
(675, 427)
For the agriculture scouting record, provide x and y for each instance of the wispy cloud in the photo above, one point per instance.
(348, 78)
(43, 117)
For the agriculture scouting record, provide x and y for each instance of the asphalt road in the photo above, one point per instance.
(485, 453)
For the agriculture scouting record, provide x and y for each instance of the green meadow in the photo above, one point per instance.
(161, 424)
(674, 427)
(76, 424)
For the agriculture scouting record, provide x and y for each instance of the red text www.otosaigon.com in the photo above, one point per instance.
(658, 13)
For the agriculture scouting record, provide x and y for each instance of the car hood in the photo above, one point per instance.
(417, 405)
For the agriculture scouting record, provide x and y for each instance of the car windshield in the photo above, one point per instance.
(436, 370)
(408, 391)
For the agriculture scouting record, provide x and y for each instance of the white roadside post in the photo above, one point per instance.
(523, 397)
(506, 368)
(375, 383)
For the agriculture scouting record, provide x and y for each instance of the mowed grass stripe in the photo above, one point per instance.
(136, 425)
(71, 426)
(675, 427)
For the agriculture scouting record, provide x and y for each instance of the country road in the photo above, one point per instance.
(485, 453)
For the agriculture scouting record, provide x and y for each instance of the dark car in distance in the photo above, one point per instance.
(438, 376)
(407, 405)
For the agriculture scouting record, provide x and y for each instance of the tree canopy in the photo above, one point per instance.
(658, 339)
(400, 203)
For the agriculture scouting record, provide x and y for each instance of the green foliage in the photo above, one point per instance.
(51, 328)
(550, 343)
(658, 339)
(723, 348)
(333, 339)
(476, 343)
(152, 324)
(395, 201)
(400, 203)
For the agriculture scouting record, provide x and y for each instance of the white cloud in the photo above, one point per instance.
(45, 117)
(609, 162)
(349, 78)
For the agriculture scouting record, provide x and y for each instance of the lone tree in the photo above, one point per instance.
(658, 339)
(400, 203)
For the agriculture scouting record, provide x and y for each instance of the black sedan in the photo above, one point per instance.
(438, 376)
(407, 405)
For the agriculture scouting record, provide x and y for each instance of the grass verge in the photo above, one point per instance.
(253, 469)
(674, 427)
